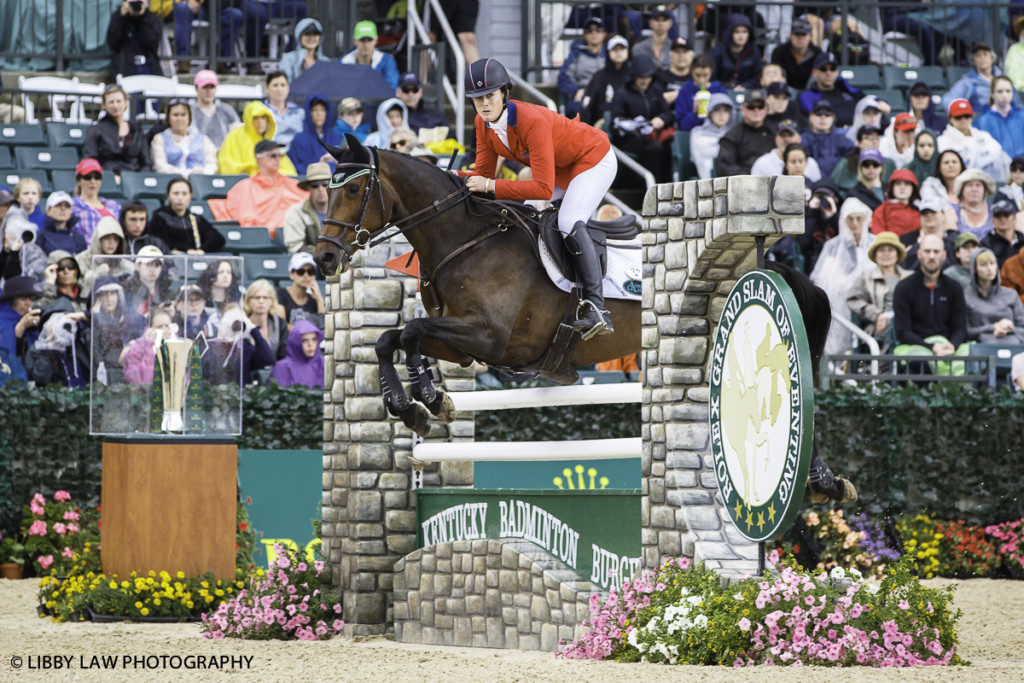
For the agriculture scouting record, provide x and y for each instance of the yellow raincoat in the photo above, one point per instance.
(237, 153)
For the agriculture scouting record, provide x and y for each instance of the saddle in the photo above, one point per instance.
(623, 228)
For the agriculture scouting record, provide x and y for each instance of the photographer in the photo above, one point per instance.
(134, 36)
(820, 224)
(19, 324)
(20, 255)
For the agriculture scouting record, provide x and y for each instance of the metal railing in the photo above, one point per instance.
(455, 92)
(968, 369)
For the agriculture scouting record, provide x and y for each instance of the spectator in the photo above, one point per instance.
(898, 142)
(184, 12)
(260, 304)
(797, 55)
(179, 228)
(391, 114)
(180, 148)
(350, 119)
(133, 36)
(19, 324)
(238, 153)
(978, 149)
(1012, 273)
(21, 255)
(150, 285)
(134, 225)
(942, 184)
(403, 141)
(303, 362)
(960, 272)
(1014, 60)
(737, 59)
(114, 324)
(58, 231)
(796, 162)
(27, 194)
(923, 108)
(61, 353)
(1014, 187)
(827, 84)
(821, 223)
(925, 161)
(771, 73)
(929, 312)
(869, 111)
(933, 222)
(704, 138)
(107, 240)
(781, 105)
(116, 143)
(87, 206)
(303, 220)
(139, 355)
(6, 202)
(1017, 372)
(995, 314)
(772, 163)
(1004, 240)
(410, 91)
(856, 50)
(657, 45)
(287, 115)
(975, 85)
(254, 15)
(192, 317)
(679, 70)
(586, 57)
(302, 299)
(973, 189)
(1002, 120)
(869, 178)
(826, 145)
(871, 295)
(842, 260)
(264, 199)
(461, 16)
(238, 352)
(846, 172)
(642, 120)
(748, 139)
(219, 284)
(604, 84)
(309, 35)
(210, 117)
(692, 102)
(898, 213)
(366, 52)
(63, 279)
(306, 147)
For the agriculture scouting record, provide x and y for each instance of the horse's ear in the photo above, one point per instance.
(336, 152)
(359, 153)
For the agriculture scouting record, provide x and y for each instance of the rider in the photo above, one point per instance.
(569, 160)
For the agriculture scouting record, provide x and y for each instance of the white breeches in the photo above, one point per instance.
(585, 192)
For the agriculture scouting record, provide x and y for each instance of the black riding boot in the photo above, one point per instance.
(591, 317)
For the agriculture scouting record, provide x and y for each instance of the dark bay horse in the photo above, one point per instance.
(487, 296)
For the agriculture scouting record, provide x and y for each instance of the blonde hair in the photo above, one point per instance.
(25, 182)
(984, 258)
(405, 135)
(262, 284)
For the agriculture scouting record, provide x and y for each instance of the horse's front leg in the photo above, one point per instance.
(396, 402)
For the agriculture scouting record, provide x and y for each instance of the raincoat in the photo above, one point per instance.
(296, 367)
(238, 153)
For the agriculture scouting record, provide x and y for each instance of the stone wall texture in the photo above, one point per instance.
(698, 240)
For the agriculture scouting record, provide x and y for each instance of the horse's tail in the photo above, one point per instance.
(814, 307)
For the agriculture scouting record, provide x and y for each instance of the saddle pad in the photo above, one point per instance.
(623, 279)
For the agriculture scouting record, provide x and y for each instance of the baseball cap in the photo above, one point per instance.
(801, 26)
(87, 166)
(681, 43)
(617, 41)
(594, 21)
(960, 107)
(753, 96)
(905, 121)
(364, 29)
(204, 78)
(824, 58)
(349, 105)
(1003, 205)
(264, 146)
(788, 126)
(930, 203)
(866, 130)
(822, 105)
(778, 88)
(409, 80)
(661, 11)
(966, 237)
(149, 253)
(300, 259)
(1017, 161)
(980, 45)
(58, 197)
(870, 154)
(6, 198)
(920, 88)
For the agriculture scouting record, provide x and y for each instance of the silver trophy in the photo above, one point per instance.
(172, 354)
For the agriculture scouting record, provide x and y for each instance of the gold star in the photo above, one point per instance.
(749, 520)
(771, 513)
(736, 510)
(760, 521)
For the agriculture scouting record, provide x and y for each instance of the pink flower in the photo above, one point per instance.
(71, 516)
(38, 528)
(339, 624)
(903, 605)
(68, 552)
(39, 499)
(73, 528)
(45, 561)
(62, 496)
(744, 624)
(60, 528)
(36, 508)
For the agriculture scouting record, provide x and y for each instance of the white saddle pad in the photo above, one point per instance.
(624, 277)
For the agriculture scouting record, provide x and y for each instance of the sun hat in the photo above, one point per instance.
(19, 285)
(974, 174)
(887, 238)
(315, 172)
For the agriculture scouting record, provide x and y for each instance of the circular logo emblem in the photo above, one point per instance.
(762, 413)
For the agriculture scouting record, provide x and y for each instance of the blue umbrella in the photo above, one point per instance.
(337, 81)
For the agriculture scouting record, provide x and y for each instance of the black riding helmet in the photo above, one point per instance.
(485, 76)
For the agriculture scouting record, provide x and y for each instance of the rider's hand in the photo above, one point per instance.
(477, 183)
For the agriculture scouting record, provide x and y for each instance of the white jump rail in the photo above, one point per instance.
(529, 451)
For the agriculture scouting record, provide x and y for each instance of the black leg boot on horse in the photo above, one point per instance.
(591, 316)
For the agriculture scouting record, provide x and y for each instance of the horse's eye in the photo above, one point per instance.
(352, 189)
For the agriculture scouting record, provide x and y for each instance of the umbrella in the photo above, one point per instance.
(336, 81)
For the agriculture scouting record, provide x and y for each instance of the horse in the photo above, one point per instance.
(486, 294)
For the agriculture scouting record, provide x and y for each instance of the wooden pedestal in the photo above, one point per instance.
(169, 505)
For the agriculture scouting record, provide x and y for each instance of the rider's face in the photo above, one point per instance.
(488, 106)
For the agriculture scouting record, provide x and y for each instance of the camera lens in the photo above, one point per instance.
(28, 236)
(237, 326)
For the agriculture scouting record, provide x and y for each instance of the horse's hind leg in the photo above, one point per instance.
(395, 401)
(824, 486)
(424, 390)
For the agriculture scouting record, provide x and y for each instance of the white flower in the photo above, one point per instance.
(856, 573)
(695, 600)
(837, 573)
(700, 621)
(631, 638)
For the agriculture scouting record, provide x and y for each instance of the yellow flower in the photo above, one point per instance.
(144, 611)
(113, 584)
(156, 601)
(138, 605)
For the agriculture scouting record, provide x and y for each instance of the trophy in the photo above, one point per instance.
(172, 355)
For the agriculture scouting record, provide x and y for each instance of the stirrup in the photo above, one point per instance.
(591, 320)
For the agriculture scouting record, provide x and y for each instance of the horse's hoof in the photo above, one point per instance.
(444, 409)
(842, 491)
(418, 420)
(849, 491)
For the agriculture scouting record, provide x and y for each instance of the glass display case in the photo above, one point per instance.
(168, 342)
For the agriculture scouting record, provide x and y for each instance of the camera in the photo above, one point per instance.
(137, 6)
(27, 236)
(238, 326)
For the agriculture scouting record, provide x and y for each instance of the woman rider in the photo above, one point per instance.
(569, 160)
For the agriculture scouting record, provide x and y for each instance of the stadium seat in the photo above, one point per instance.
(5, 158)
(954, 74)
(1003, 354)
(894, 98)
(195, 268)
(139, 184)
(11, 177)
(273, 267)
(865, 77)
(66, 134)
(250, 240)
(22, 134)
(151, 203)
(201, 209)
(278, 240)
(49, 158)
(903, 77)
(213, 186)
(682, 167)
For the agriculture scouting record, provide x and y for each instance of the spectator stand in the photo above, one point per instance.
(979, 367)
(80, 100)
